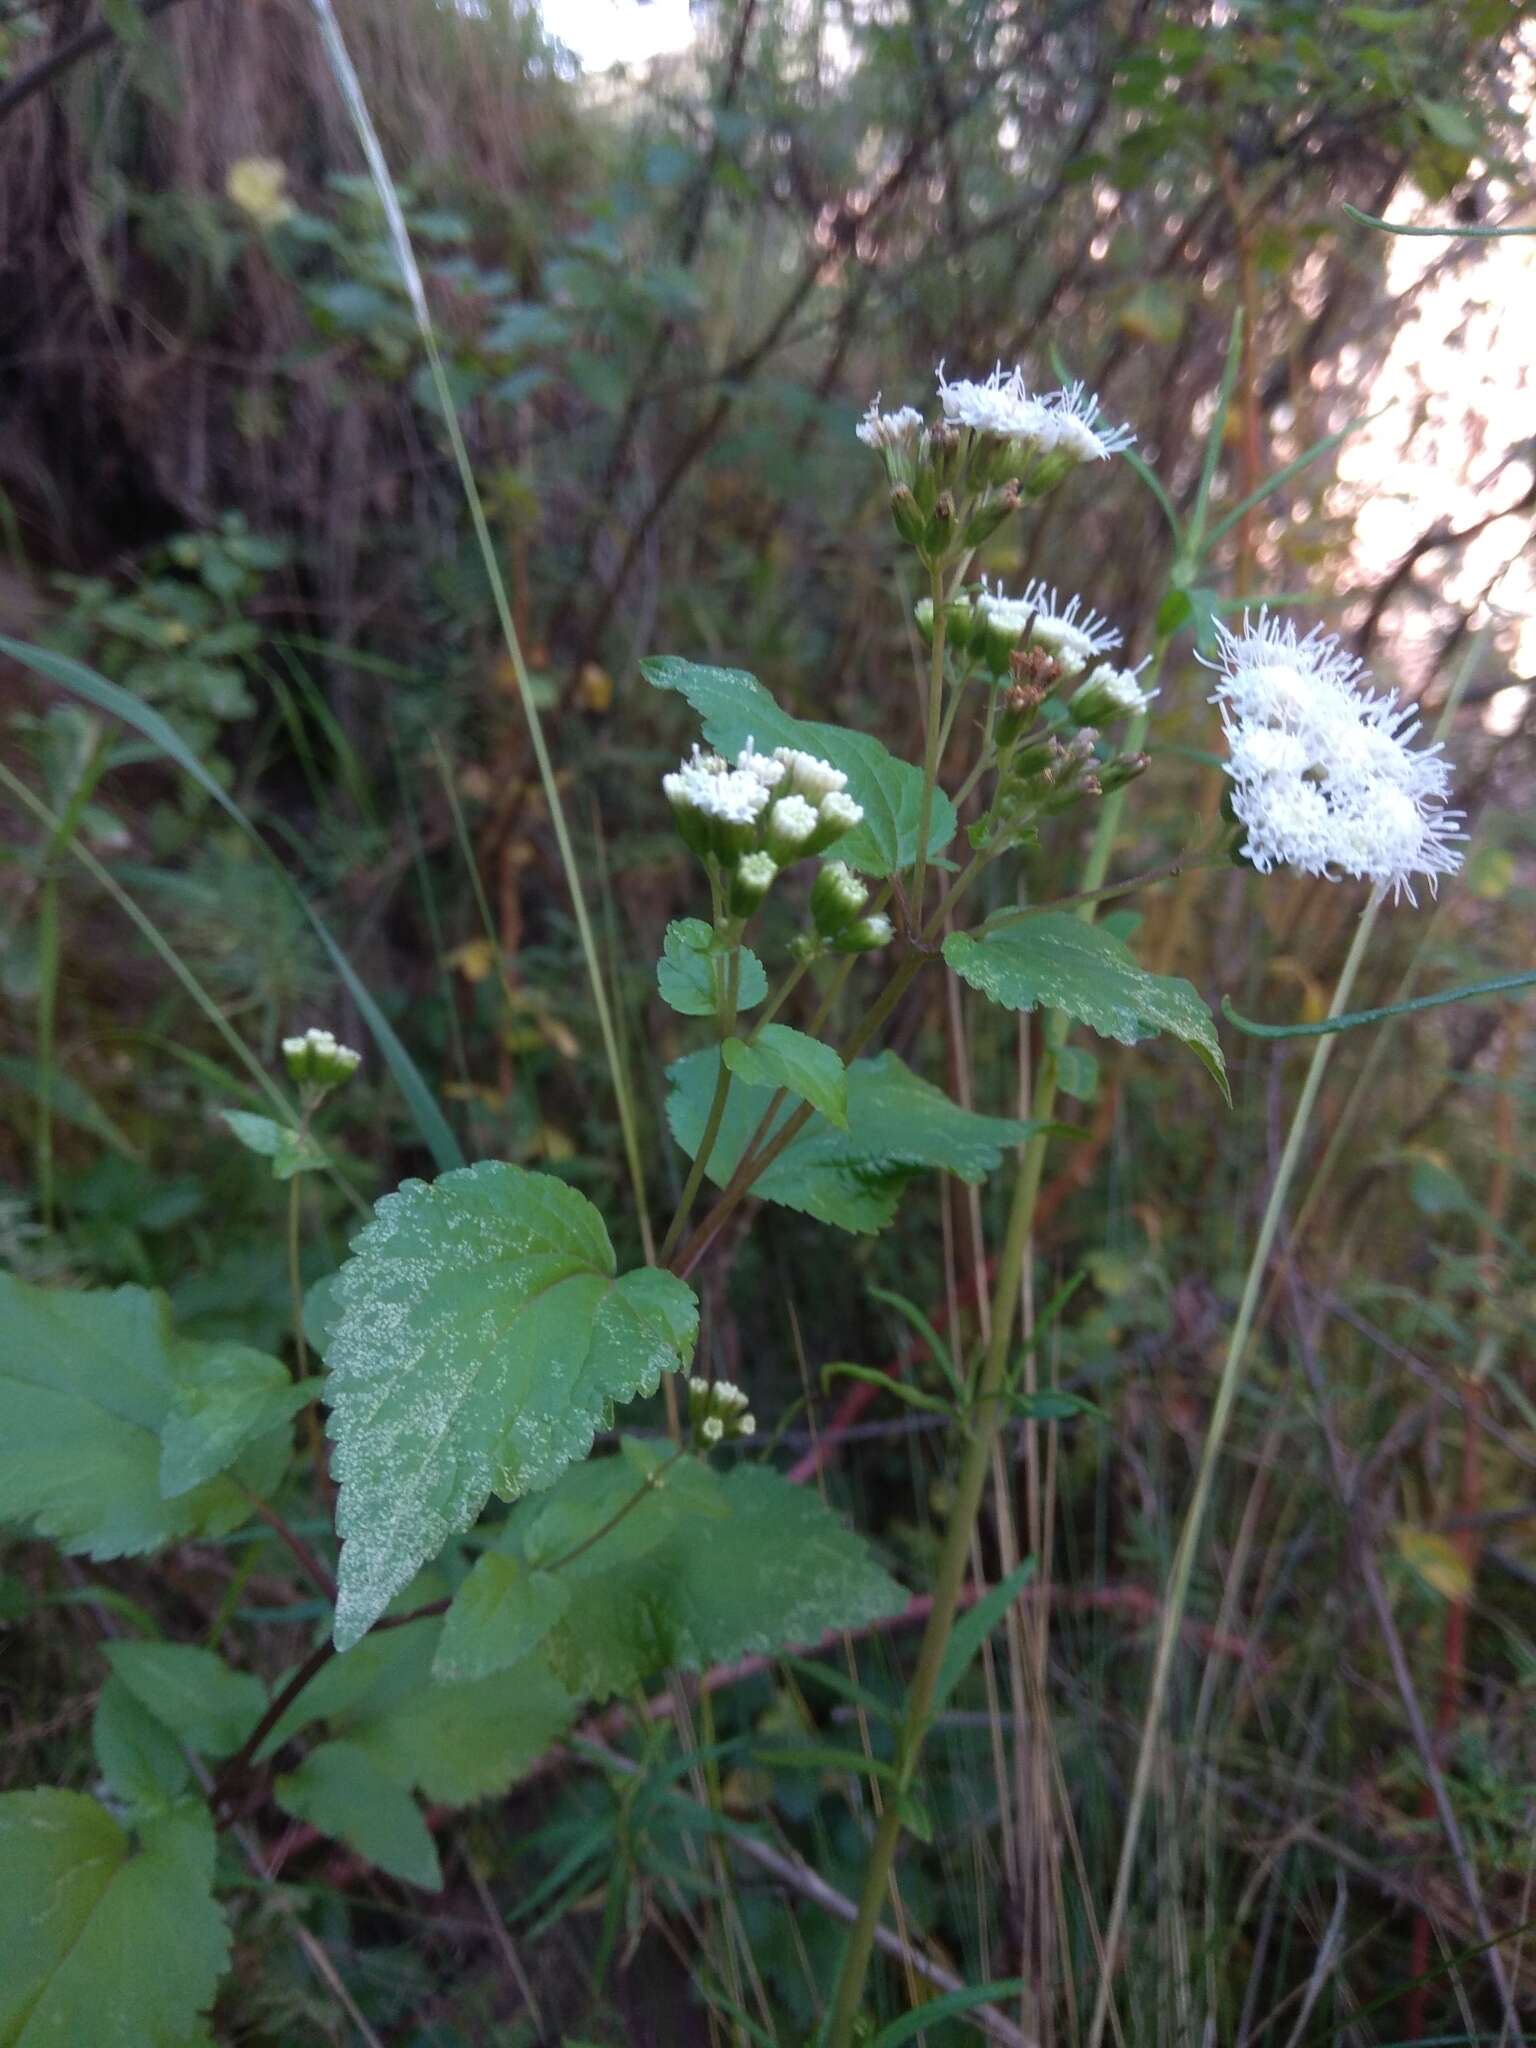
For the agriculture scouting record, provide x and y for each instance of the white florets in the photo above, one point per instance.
(1000, 404)
(791, 821)
(810, 776)
(1072, 633)
(711, 786)
(841, 811)
(1065, 422)
(1119, 686)
(1324, 777)
(899, 432)
(319, 1043)
(711, 1429)
(879, 929)
(1080, 431)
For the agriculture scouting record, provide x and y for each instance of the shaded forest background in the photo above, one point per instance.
(665, 298)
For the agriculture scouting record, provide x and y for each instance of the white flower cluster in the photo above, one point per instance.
(1324, 777)
(895, 433)
(1072, 634)
(1108, 693)
(787, 804)
(1065, 422)
(315, 1055)
(718, 1411)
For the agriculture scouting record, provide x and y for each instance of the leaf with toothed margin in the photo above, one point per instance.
(478, 1339)
(1057, 960)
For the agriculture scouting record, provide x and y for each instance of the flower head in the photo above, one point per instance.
(1079, 432)
(1000, 405)
(258, 185)
(718, 1411)
(893, 433)
(316, 1056)
(1108, 693)
(809, 776)
(1324, 778)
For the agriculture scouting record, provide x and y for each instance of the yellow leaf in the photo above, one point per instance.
(475, 959)
(594, 688)
(1314, 997)
(553, 1143)
(1435, 1559)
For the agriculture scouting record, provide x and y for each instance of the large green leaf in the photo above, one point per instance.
(191, 1692)
(1060, 961)
(735, 707)
(704, 1568)
(225, 1397)
(454, 1743)
(138, 1756)
(500, 1613)
(88, 1384)
(898, 1125)
(339, 1789)
(109, 1938)
(691, 971)
(481, 1339)
(779, 1057)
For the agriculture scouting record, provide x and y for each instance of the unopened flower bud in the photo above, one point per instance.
(907, 515)
(791, 824)
(753, 878)
(939, 530)
(837, 897)
(316, 1058)
(864, 935)
(808, 775)
(989, 515)
(1123, 769)
(835, 818)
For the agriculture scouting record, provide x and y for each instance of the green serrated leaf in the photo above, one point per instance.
(735, 707)
(657, 1592)
(340, 1790)
(781, 1058)
(107, 1935)
(1061, 962)
(500, 1613)
(191, 1692)
(691, 971)
(225, 1397)
(898, 1125)
(137, 1755)
(88, 1381)
(453, 1743)
(482, 1340)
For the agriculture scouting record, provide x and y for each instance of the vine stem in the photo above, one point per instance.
(1221, 1414)
(933, 741)
(954, 1560)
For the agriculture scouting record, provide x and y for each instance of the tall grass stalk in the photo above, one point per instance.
(1176, 1597)
(350, 86)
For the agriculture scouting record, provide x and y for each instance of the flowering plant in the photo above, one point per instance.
(481, 1335)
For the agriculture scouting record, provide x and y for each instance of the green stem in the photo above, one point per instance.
(787, 987)
(652, 1481)
(726, 1021)
(295, 1278)
(954, 1561)
(1177, 1594)
(933, 736)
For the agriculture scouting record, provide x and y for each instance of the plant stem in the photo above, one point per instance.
(295, 1279)
(932, 742)
(786, 989)
(726, 1020)
(651, 1482)
(1177, 1596)
(953, 1561)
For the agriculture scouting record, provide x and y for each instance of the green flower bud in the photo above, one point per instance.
(864, 935)
(835, 818)
(318, 1061)
(1123, 769)
(907, 515)
(753, 878)
(837, 897)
